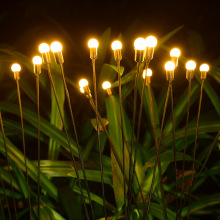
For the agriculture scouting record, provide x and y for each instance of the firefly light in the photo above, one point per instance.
(191, 65)
(93, 43)
(149, 73)
(56, 47)
(204, 68)
(140, 44)
(44, 48)
(169, 66)
(82, 90)
(151, 41)
(106, 85)
(37, 60)
(116, 45)
(175, 52)
(83, 83)
(16, 67)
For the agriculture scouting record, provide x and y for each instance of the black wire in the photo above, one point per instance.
(76, 137)
(98, 132)
(24, 148)
(6, 152)
(68, 140)
(159, 140)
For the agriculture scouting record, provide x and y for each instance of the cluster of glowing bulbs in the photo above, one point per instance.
(55, 47)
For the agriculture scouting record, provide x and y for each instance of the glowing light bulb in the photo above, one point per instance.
(175, 52)
(93, 43)
(82, 90)
(204, 67)
(83, 83)
(16, 67)
(44, 48)
(37, 60)
(140, 44)
(106, 85)
(151, 41)
(190, 65)
(116, 45)
(169, 66)
(149, 73)
(56, 47)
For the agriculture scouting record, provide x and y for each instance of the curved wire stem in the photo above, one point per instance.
(76, 137)
(185, 139)
(158, 149)
(131, 165)
(98, 132)
(9, 171)
(38, 143)
(174, 142)
(68, 140)
(123, 138)
(196, 136)
(200, 171)
(6, 199)
(113, 150)
(24, 148)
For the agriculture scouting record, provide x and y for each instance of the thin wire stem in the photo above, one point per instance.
(76, 137)
(200, 171)
(113, 150)
(131, 165)
(3, 214)
(185, 139)
(24, 148)
(9, 171)
(98, 132)
(122, 131)
(196, 136)
(157, 145)
(174, 141)
(6, 199)
(38, 142)
(68, 140)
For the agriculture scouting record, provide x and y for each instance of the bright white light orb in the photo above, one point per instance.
(37, 60)
(16, 67)
(151, 41)
(93, 43)
(170, 65)
(106, 85)
(204, 67)
(140, 44)
(82, 90)
(44, 48)
(116, 45)
(190, 65)
(83, 83)
(149, 73)
(175, 52)
(56, 47)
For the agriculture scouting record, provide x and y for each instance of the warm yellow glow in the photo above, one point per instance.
(190, 65)
(56, 47)
(83, 83)
(93, 43)
(44, 48)
(151, 41)
(16, 67)
(82, 90)
(175, 52)
(106, 85)
(204, 67)
(170, 65)
(149, 73)
(37, 60)
(116, 45)
(140, 44)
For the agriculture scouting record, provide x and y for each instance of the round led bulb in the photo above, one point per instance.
(149, 73)
(169, 66)
(204, 67)
(175, 52)
(190, 65)
(151, 41)
(37, 60)
(106, 85)
(44, 48)
(140, 44)
(93, 43)
(16, 67)
(83, 83)
(116, 45)
(56, 47)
